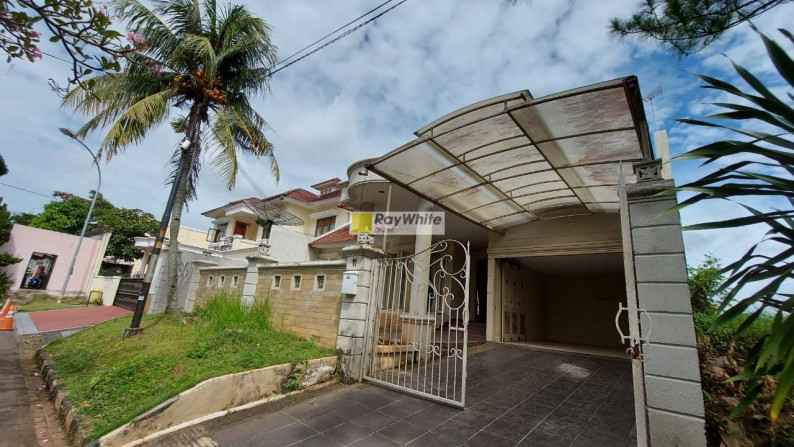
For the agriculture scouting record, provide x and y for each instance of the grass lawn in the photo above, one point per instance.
(40, 304)
(112, 380)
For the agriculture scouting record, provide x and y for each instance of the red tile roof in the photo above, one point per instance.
(304, 196)
(332, 182)
(341, 234)
(298, 194)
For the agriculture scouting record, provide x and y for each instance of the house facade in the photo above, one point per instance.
(556, 238)
(237, 229)
(46, 256)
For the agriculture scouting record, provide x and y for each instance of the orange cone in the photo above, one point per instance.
(7, 322)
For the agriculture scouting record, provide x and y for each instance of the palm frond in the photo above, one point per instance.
(756, 281)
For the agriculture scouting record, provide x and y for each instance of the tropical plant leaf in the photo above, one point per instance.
(755, 283)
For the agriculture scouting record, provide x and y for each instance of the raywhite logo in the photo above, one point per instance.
(397, 222)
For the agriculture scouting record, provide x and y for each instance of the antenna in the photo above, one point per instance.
(649, 98)
(270, 214)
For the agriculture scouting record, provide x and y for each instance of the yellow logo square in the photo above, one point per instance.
(362, 223)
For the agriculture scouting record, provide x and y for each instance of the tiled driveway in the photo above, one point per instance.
(516, 397)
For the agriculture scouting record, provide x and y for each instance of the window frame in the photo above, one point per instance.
(209, 281)
(235, 281)
(221, 281)
(276, 284)
(321, 223)
(299, 281)
(317, 277)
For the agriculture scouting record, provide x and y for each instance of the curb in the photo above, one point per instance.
(298, 374)
(60, 399)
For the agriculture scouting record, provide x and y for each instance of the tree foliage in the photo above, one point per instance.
(68, 215)
(6, 225)
(759, 163)
(83, 29)
(200, 62)
(22, 218)
(688, 26)
(704, 284)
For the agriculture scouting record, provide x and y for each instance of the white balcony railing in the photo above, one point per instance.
(229, 243)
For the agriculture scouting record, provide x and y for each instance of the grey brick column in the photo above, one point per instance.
(355, 311)
(671, 371)
(190, 301)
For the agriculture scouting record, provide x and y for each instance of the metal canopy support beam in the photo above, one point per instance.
(462, 162)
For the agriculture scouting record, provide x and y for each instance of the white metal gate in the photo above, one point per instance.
(418, 325)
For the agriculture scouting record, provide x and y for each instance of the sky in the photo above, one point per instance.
(365, 95)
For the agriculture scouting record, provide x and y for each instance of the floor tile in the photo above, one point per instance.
(403, 432)
(374, 421)
(351, 410)
(286, 436)
(323, 421)
(347, 433)
(304, 411)
(456, 431)
(487, 439)
(317, 441)
(374, 440)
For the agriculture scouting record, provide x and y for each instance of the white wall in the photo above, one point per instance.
(108, 285)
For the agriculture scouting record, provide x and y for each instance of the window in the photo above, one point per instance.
(38, 272)
(240, 228)
(319, 281)
(296, 282)
(276, 282)
(220, 232)
(209, 281)
(325, 225)
(235, 279)
(221, 281)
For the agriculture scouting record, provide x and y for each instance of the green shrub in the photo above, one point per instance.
(227, 311)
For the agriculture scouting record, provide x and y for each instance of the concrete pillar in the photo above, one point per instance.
(144, 262)
(421, 267)
(663, 152)
(417, 324)
(193, 284)
(671, 371)
(157, 292)
(252, 276)
(356, 310)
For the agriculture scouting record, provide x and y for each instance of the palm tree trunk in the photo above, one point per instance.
(173, 244)
(194, 128)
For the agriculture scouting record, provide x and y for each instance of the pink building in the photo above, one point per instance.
(46, 256)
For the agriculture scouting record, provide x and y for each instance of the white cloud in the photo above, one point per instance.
(367, 93)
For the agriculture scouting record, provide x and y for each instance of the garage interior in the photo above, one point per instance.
(564, 303)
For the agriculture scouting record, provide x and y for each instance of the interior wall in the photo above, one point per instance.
(580, 309)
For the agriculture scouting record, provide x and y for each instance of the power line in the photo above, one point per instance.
(346, 33)
(332, 33)
(336, 39)
(27, 190)
(251, 181)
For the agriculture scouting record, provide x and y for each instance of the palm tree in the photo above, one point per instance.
(199, 61)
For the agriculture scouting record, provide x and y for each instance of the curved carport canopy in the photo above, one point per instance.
(513, 159)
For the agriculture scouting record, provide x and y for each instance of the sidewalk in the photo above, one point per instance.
(16, 420)
(60, 320)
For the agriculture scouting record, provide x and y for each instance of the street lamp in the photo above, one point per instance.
(71, 135)
(158, 244)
